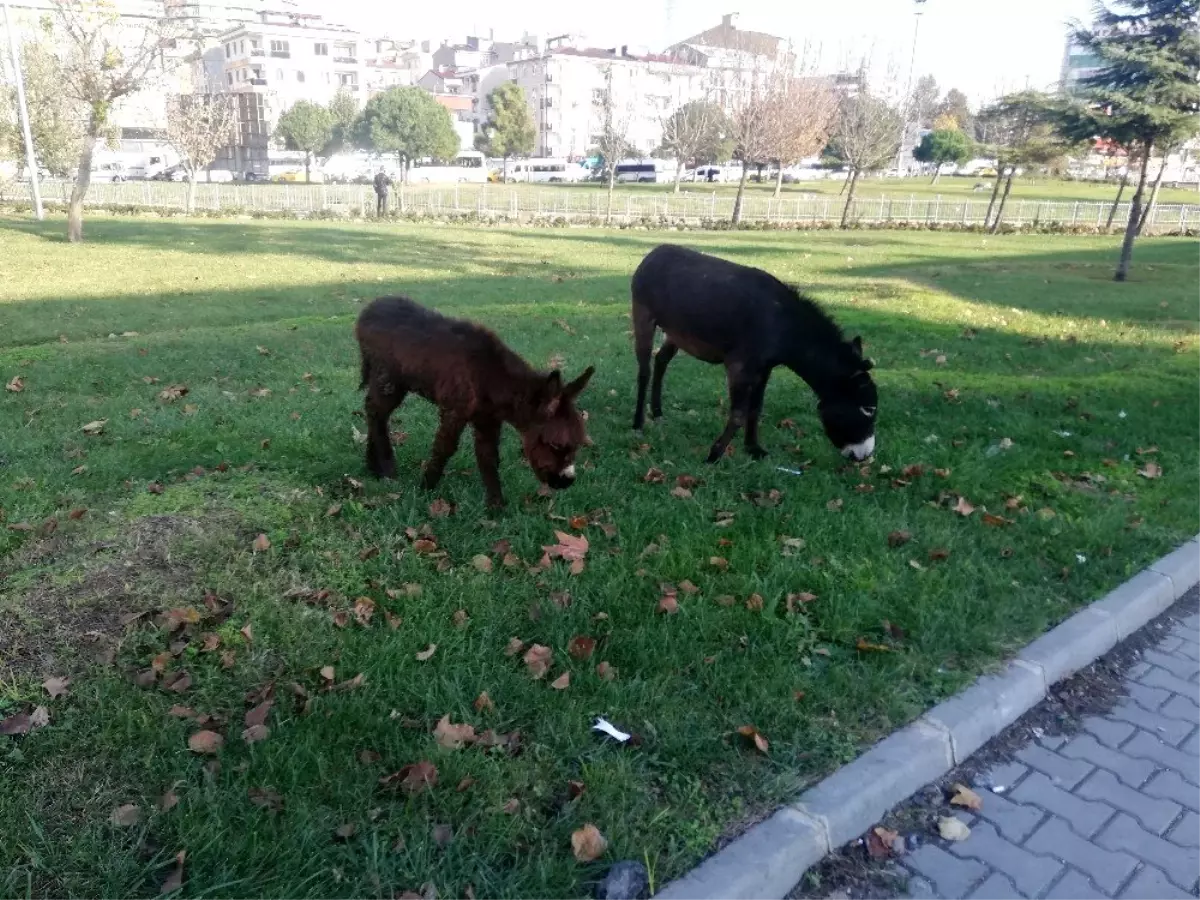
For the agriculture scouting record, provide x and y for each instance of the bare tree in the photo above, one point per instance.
(616, 111)
(198, 126)
(751, 116)
(867, 135)
(104, 58)
(695, 131)
(804, 115)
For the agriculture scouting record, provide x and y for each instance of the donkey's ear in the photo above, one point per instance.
(575, 388)
(552, 392)
(856, 343)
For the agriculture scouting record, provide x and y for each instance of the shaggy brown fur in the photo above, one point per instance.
(475, 380)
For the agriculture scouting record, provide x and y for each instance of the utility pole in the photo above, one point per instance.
(908, 104)
(23, 112)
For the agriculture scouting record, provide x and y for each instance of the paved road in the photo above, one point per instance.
(1112, 811)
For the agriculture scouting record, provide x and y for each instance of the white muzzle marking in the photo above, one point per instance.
(861, 450)
(568, 472)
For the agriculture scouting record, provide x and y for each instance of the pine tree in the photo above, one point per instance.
(1145, 94)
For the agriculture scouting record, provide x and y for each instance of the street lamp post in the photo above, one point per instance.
(912, 115)
(23, 113)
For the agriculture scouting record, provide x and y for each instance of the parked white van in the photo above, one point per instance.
(645, 171)
(468, 167)
(544, 169)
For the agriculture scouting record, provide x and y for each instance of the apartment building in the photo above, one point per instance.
(393, 63)
(283, 58)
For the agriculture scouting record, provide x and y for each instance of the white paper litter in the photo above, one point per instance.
(606, 727)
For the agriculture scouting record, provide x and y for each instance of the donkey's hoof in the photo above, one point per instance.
(715, 454)
(756, 453)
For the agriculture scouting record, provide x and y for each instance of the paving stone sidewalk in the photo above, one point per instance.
(1112, 811)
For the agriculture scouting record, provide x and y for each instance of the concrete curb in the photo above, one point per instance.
(769, 859)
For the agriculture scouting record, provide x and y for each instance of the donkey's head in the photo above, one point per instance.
(555, 433)
(848, 403)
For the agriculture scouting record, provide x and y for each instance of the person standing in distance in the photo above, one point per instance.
(382, 184)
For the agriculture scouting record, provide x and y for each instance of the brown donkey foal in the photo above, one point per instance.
(475, 380)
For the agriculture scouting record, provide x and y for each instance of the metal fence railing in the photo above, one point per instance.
(584, 203)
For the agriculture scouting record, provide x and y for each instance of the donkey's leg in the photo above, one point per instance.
(662, 359)
(741, 388)
(445, 443)
(643, 344)
(383, 397)
(756, 404)
(487, 457)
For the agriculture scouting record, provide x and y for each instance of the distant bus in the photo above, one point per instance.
(646, 171)
(467, 166)
(544, 169)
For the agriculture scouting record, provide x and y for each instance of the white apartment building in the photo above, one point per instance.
(272, 64)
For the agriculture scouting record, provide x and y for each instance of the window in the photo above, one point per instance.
(279, 74)
(321, 49)
(328, 78)
(241, 46)
(280, 48)
(300, 76)
(598, 95)
(348, 79)
(229, 78)
(228, 50)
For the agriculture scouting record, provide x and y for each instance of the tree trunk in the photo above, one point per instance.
(987, 218)
(1112, 213)
(191, 193)
(779, 180)
(1149, 210)
(1135, 215)
(845, 184)
(505, 175)
(678, 174)
(612, 180)
(307, 161)
(937, 173)
(737, 201)
(853, 183)
(1012, 173)
(83, 180)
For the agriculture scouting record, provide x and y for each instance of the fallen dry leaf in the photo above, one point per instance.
(512, 806)
(94, 428)
(681, 492)
(460, 618)
(483, 701)
(879, 842)
(413, 778)
(427, 653)
(834, 505)
(205, 742)
(261, 544)
(172, 393)
(952, 829)
(258, 715)
(994, 520)
(334, 509)
(588, 843)
(1151, 470)
(16, 385)
(752, 734)
(168, 801)
(255, 733)
(963, 507)
(439, 508)
(77, 514)
(515, 645)
(345, 832)
(482, 562)
(939, 553)
(688, 588)
(719, 562)
(654, 476)
(266, 799)
(581, 647)
(864, 644)
(606, 671)
(538, 659)
(562, 682)
(57, 686)
(754, 602)
(964, 796)
(125, 815)
(668, 604)
(174, 880)
(899, 538)
(364, 609)
(451, 736)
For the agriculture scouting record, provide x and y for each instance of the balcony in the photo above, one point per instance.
(281, 54)
(258, 51)
(348, 60)
(258, 82)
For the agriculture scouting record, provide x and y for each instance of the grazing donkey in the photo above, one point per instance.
(475, 380)
(750, 321)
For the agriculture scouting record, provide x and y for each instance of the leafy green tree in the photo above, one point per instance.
(1022, 135)
(306, 126)
(954, 105)
(56, 119)
(1144, 95)
(343, 111)
(406, 121)
(509, 131)
(696, 132)
(947, 145)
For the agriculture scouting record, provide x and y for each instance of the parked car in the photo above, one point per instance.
(171, 173)
(113, 172)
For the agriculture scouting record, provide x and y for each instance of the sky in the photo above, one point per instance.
(983, 49)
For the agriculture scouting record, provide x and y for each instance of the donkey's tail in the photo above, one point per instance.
(366, 372)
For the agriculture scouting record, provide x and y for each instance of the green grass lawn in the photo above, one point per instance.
(1013, 370)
